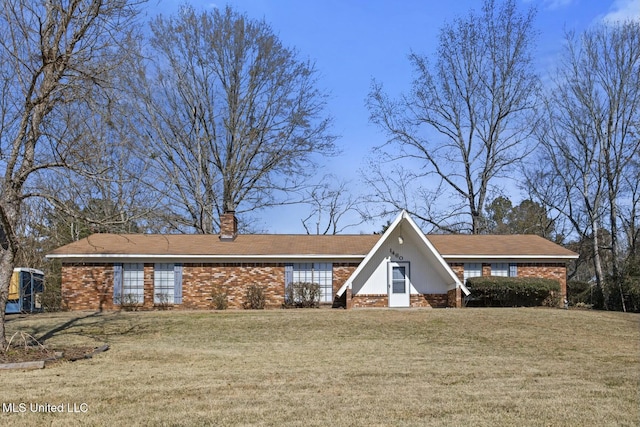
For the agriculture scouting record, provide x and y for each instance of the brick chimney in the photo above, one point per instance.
(228, 226)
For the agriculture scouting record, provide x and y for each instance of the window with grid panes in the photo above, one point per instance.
(315, 272)
(163, 283)
(133, 283)
(504, 269)
(472, 269)
(500, 269)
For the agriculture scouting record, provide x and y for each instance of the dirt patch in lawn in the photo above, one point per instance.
(36, 353)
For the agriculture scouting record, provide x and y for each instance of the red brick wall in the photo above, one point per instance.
(429, 300)
(148, 286)
(369, 300)
(228, 225)
(341, 272)
(556, 271)
(458, 269)
(549, 271)
(90, 286)
(382, 300)
(200, 280)
(454, 298)
(87, 287)
(197, 286)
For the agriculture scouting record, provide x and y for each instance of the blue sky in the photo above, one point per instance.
(353, 42)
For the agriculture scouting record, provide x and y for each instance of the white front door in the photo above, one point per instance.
(398, 284)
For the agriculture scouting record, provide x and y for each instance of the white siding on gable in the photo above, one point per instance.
(424, 276)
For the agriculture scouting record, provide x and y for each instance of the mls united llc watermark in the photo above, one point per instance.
(22, 407)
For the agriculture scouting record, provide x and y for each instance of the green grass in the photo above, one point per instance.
(483, 367)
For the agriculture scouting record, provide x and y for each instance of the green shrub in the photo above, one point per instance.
(632, 293)
(492, 291)
(579, 292)
(255, 298)
(219, 299)
(302, 295)
(630, 290)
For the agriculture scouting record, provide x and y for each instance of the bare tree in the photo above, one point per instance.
(589, 143)
(331, 204)
(630, 215)
(467, 116)
(106, 191)
(233, 117)
(53, 56)
(612, 53)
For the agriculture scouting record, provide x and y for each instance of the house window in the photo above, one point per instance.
(167, 283)
(472, 269)
(128, 283)
(504, 269)
(303, 272)
(312, 272)
(500, 269)
(323, 275)
(163, 283)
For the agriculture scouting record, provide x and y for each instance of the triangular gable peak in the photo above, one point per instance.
(402, 242)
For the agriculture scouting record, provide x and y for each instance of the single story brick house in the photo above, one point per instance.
(401, 268)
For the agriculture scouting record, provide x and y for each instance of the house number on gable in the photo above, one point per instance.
(395, 254)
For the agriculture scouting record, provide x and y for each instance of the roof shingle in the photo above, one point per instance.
(247, 245)
(497, 245)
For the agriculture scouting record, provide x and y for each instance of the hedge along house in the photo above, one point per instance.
(401, 268)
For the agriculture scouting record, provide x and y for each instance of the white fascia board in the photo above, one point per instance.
(518, 257)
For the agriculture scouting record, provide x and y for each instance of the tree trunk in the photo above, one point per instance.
(616, 277)
(597, 263)
(6, 270)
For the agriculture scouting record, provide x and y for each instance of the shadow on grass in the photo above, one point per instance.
(96, 325)
(64, 327)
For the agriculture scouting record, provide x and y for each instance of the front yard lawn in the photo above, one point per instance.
(321, 367)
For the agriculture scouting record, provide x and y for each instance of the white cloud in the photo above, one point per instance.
(622, 10)
(551, 4)
(556, 4)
